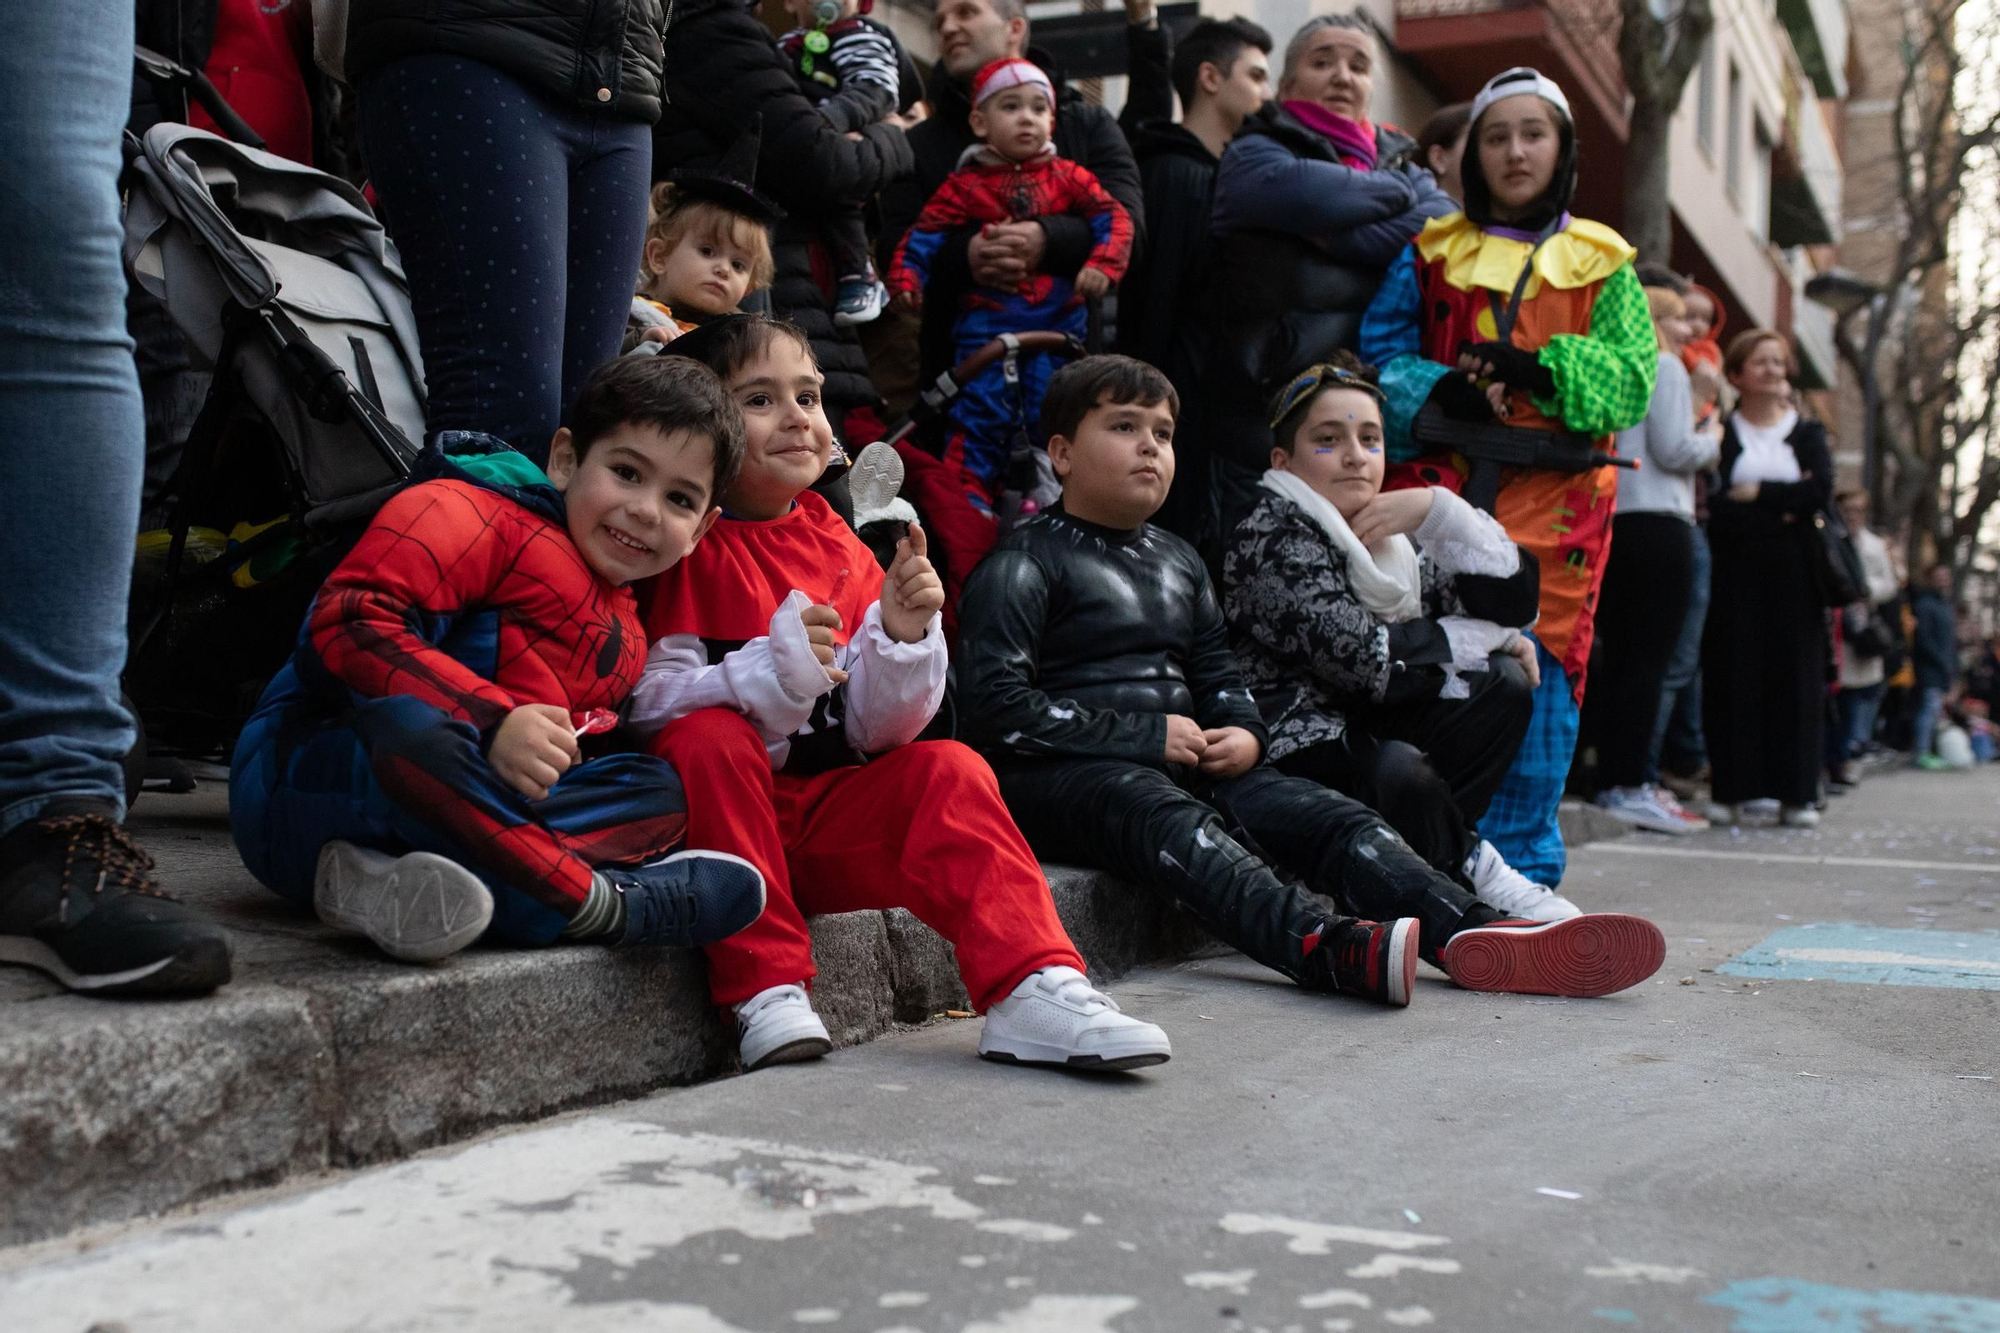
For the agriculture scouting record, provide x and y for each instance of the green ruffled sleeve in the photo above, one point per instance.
(1604, 379)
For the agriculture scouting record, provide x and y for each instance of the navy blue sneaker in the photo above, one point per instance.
(689, 899)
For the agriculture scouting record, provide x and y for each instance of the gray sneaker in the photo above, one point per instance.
(419, 907)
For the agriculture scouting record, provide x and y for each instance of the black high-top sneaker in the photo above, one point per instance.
(78, 901)
(1373, 959)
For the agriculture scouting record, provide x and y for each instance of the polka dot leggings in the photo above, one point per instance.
(520, 223)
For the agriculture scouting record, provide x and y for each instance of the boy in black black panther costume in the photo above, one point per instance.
(1097, 678)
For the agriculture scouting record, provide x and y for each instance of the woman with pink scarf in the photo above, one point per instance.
(1312, 203)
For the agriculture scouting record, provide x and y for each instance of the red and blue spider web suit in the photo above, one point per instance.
(464, 600)
(958, 493)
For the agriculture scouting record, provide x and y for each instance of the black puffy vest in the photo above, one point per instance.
(601, 55)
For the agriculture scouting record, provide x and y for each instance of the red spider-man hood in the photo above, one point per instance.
(490, 464)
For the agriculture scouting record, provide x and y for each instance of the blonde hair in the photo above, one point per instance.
(1665, 303)
(677, 216)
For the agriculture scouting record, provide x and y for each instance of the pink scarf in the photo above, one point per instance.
(1354, 140)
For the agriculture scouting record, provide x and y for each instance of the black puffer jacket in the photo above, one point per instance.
(724, 68)
(1085, 134)
(1297, 259)
(594, 54)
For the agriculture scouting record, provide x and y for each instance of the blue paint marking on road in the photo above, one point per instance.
(1617, 1316)
(1850, 951)
(1785, 1305)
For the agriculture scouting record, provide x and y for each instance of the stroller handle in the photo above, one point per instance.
(195, 84)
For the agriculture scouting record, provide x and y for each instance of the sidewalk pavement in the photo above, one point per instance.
(1729, 1147)
(324, 1054)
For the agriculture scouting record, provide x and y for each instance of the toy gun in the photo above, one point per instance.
(1492, 445)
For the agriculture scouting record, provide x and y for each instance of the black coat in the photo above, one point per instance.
(724, 68)
(1177, 174)
(1085, 134)
(1276, 302)
(599, 55)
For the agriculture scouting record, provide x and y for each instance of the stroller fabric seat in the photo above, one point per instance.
(268, 266)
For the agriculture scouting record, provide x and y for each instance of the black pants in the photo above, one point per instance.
(1429, 768)
(1648, 582)
(1188, 838)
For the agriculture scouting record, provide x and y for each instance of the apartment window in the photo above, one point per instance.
(1732, 148)
(1757, 184)
(1704, 98)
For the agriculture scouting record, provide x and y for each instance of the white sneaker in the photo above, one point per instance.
(1671, 804)
(778, 1027)
(1799, 816)
(1506, 889)
(420, 907)
(1719, 812)
(1639, 807)
(1056, 1017)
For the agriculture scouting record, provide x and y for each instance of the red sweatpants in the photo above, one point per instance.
(957, 509)
(920, 827)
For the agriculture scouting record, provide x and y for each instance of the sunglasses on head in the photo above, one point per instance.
(1311, 380)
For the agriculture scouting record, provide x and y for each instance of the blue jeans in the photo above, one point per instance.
(1857, 717)
(70, 417)
(1929, 707)
(520, 223)
(1678, 738)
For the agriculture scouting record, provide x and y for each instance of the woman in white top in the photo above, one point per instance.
(1764, 650)
(1648, 582)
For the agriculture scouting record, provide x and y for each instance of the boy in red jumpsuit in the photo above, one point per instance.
(1012, 175)
(782, 659)
(417, 771)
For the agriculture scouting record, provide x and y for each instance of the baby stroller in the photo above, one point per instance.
(289, 293)
(1031, 483)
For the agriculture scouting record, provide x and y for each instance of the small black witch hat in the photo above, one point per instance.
(732, 182)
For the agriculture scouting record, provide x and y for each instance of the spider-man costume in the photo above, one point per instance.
(959, 493)
(463, 600)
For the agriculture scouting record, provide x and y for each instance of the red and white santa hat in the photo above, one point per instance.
(1014, 72)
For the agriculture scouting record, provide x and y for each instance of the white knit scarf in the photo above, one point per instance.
(1385, 579)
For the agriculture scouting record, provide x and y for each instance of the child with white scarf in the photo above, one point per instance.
(1390, 669)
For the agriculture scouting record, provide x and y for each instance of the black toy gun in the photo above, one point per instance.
(1491, 445)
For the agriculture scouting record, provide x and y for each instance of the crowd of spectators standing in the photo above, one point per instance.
(1326, 559)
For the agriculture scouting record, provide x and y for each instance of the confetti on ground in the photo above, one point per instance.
(1556, 1193)
(1411, 1213)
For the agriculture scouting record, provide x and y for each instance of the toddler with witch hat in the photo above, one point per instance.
(1011, 175)
(708, 244)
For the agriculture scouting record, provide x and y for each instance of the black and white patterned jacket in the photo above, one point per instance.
(1313, 654)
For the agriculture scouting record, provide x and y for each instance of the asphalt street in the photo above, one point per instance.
(1731, 1146)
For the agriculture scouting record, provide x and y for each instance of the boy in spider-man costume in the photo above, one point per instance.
(417, 772)
(1012, 175)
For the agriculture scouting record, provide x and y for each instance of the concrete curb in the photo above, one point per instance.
(114, 1111)
(323, 1054)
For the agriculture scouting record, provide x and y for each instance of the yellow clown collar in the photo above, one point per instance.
(1582, 253)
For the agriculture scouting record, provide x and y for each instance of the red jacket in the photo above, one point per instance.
(989, 188)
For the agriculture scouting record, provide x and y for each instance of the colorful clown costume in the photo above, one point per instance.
(463, 600)
(824, 787)
(992, 409)
(1584, 314)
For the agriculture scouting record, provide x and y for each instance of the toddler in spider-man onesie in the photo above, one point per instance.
(787, 682)
(418, 771)
(1011, 175)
